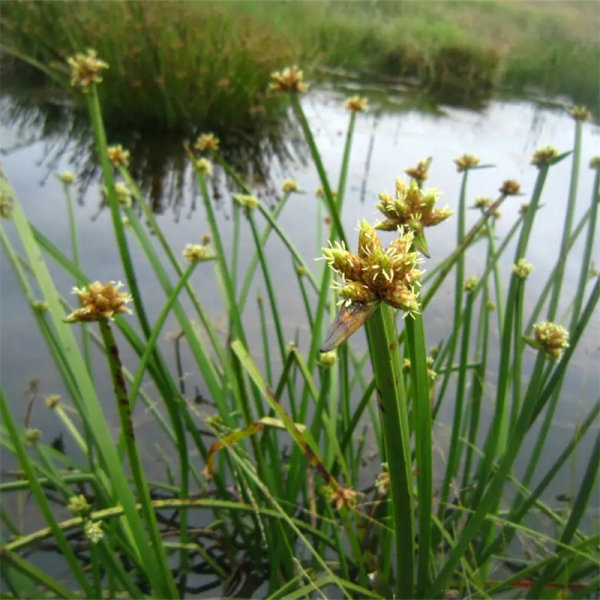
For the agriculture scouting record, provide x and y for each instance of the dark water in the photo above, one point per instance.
(388, 139)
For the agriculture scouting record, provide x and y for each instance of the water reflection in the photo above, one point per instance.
(158, 159)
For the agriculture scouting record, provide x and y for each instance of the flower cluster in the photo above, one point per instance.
(522, 268)
(86, 69)
(100, 301)
(67, 177)
(6, 205)
(420, 172)
(246, 200)
(580, 113)
(470, 284)
(207, 141)
(118, 156)
(195, 252)
(204, 166)
(411, 208)
(544, 156)
(290, 185)
(341, 497)
(288, 80)
(356, 104)
(376, 273)
(510, 187)
(551, 338)
(78, 505)
(466, 162)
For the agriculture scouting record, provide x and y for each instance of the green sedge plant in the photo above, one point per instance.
(268, 486)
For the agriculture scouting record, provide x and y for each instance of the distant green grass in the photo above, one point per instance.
(206, 63)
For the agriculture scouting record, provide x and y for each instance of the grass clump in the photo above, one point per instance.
(205, 63)
(269, 484)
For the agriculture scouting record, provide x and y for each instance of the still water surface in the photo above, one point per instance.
(504, 134)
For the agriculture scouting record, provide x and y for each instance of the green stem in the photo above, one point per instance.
(135, 464)
(387, 365)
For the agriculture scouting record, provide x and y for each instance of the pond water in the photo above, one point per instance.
(505, 133)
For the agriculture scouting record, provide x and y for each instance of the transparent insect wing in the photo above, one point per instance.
(348, 320)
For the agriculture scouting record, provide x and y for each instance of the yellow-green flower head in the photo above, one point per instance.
(118, 156)
(544, 156)
(246, 200)
(123, 194)
(86, 69)
(412, 208)
(52, 400)
(376, 273)
(6, 205)
(356, 104)
(524, 208)
(420, 172)
(301, 271)
(580, 113)
(482, 203)
(93, 531)
(510, 187)
(195, 252)
(40, 306)
(67, 177)
(320, 192)
(522, 268)
(466, 161)
(207, 141)
(341, 497)
(490, 305)
(328, 359)
(552, 338)
(383, 484)
(470, 284)
(205, 167)
(290, 185)
(33, 435)
(100, 301)
(78, 505)
(288, 80)
(595, 162)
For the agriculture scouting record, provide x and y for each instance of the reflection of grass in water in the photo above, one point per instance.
(181, 63)
(283, 442)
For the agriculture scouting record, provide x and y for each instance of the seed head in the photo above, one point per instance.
(328, 359)
(99, 301)
(522, 268)
(580, 113)
(118, 156)
(376, 273)
(595, 162)
(123, 194)
(524, 208)
(466, 162)
(420, 172)
(510, 187)
(290, 185)
(40, 307)
(246, 200)
(412, 208)
(341, 497)
(544, 156)
(78, 505)
(356, 104)
(551, 338)
(207, 141)
(205, 167)
(86, 69)
(320, 192)
(33, 435)
(288, 80)
(93, 531)
(482, 203)
(52, 401)
(470, 284)
(195, 252)
(67, 177)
